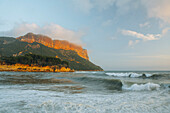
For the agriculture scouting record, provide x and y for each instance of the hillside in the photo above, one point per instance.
(56, 44)
(12, 47)
(33, 63)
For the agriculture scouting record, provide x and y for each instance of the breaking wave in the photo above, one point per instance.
(143, 87)
(128, 74)
(142, 75)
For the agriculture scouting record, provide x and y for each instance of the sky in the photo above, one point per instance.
(118, 34)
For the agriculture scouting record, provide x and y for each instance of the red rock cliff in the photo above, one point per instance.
(57, 44)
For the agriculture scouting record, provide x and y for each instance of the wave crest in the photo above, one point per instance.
(143, 87)
(129, 74)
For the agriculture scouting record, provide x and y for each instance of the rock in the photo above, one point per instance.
(143, 76)
(56, 44)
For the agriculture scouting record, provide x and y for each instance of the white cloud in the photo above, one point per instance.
(147, 37)
(158, 8)
(54, 31)
(141, 36)
(132, 43)
(146, 24)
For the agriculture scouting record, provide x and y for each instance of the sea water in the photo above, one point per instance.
(85, 92)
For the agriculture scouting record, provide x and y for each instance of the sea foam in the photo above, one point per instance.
(128, 74)
(142, 87)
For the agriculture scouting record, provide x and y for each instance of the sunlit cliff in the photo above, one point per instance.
(57, 44)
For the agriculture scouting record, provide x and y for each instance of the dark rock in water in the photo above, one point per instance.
(130, 75)
(143, 76)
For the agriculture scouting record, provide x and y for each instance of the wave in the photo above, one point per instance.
(140, 75)
(143, 87)
(111, 84)
(131, 74)
(116, 84)
(156, 76)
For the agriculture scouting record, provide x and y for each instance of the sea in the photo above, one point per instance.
(85, 92)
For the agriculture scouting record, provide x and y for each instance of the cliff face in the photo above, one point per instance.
(15, 47)
(56, 44)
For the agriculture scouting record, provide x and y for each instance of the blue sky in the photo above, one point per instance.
(118, 34)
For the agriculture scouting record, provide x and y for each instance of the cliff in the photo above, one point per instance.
(56, 44)
(10, 46)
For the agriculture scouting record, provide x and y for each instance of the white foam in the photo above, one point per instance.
(128, 74)
(142, 87)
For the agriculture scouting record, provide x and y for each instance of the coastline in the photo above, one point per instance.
(27, 68)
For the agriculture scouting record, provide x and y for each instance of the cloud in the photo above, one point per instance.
(121, 6)
(146, 24)
(83, 5)
(132, 43)
(146, 37)
(154, 8)
(158, 8)
(52, 30)
(87, 5)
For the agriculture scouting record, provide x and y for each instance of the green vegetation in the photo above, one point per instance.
(12, 47)
(36, 60)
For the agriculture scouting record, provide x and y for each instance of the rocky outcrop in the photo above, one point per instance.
(56, 44)
(33, 46)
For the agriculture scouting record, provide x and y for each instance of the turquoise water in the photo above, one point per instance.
(85, 92)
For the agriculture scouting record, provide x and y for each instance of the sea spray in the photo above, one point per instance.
(143, 87)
